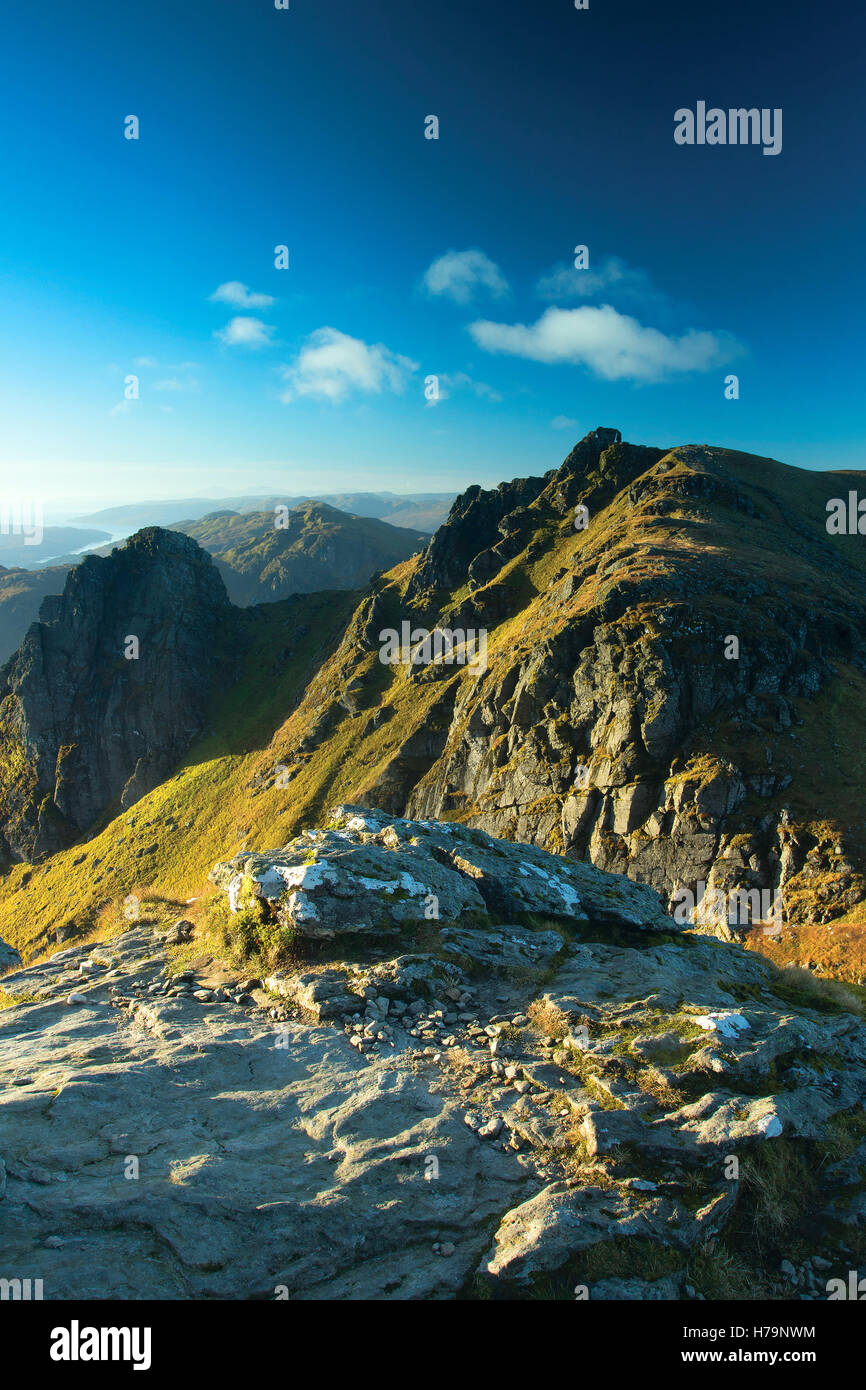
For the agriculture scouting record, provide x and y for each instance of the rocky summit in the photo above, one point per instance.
(107, 690)
(673, 682)
(476, 1070)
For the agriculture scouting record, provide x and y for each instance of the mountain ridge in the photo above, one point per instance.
(261, 556)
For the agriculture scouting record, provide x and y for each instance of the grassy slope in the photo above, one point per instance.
(832, 797)
(207, 797)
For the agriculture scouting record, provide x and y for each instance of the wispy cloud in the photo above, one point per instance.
(614, 346)
(461, 381)
(245, 331)
(563, 422)
(332, 365)
(460, 275)
(613, 279)
(240, 296)
(175, 383)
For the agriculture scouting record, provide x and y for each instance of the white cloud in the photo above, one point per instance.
(331, 365)
(145, 362)
(244, 331)
(613, 345)
(614, 279)
(459, 274)
(563, 422)
(233, 292)
(460, 381)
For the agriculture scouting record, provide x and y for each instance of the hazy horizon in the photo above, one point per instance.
(66, 509)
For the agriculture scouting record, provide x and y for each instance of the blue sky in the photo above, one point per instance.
(412, 257)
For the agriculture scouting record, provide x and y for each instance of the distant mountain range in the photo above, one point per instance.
(21, 595)
(313, 546)
(260, 558)
(421, 511)
(53, 543)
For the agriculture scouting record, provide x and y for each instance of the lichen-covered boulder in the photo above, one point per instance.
(368, 872)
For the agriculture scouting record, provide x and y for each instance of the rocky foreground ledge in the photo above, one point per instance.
(547, 1090)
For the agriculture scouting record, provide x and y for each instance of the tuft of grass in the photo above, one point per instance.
(844, 1134)
(547, 1019)
(253, 937)
(654, 1083)
(725, 1275)
(8, 999)
(779, 1182)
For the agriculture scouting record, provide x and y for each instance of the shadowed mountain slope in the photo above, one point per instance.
(21, 595)
(616, 719)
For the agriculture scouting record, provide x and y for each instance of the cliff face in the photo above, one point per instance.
(21, 595)
(486, 529)
(634, 730)
(107, 690)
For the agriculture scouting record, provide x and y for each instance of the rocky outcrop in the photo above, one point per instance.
(478, 525)
(561, 1106)
(369, 871)
(107, 690)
